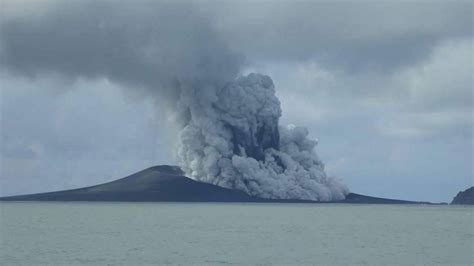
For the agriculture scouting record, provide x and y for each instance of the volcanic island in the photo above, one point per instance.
(167, 183)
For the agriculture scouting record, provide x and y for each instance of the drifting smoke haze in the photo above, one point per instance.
(229, 132)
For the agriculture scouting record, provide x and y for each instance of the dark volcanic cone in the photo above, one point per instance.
(168, 184)
(158, 183)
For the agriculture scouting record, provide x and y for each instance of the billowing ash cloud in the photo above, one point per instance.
(229, 124)
(232, 139)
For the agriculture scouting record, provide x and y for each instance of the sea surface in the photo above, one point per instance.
(240, 234)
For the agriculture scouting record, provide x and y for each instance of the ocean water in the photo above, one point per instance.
(240, 234)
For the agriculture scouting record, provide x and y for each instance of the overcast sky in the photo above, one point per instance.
(387, 88)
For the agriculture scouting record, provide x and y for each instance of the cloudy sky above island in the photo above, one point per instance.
(387, 88)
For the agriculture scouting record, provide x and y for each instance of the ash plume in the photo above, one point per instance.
(232, 139)
(229, 132)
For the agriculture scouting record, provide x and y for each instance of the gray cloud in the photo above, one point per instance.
(354, 36)
(148, 41)
(143, 44)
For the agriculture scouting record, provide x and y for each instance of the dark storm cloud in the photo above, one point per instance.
(148, 42)
(141, 43)
(349, 35)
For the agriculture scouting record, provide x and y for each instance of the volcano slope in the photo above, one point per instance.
(168, 184)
